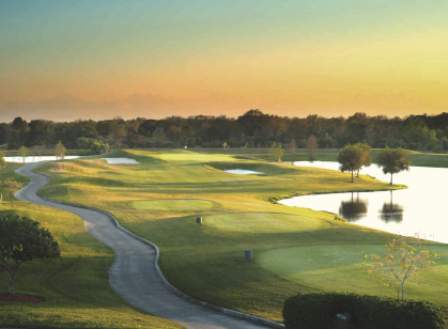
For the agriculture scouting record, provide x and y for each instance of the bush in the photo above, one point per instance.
(319, 311)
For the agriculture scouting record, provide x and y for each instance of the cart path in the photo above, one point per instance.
(134, 274)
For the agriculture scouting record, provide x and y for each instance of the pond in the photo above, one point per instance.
(420, 210)
(34, 159)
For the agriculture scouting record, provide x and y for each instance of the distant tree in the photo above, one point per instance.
(60, 151)
(2, 165)
(351, 159)
(365, 155)
(312, 146)
(118, 132)
(97, 146)
(277, 151)
(18, 133)
(393, 161)
(400, 263)
(2, 160)
(22, 240)
(292, 146)
(23, 153)
(159, 136)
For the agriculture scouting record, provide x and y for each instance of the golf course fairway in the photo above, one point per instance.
(295, 250)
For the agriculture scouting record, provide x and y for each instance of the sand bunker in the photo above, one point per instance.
(34, 159)
(243, 172)
(121, 161)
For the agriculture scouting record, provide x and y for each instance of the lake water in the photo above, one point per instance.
(421, 209)
(33, 159)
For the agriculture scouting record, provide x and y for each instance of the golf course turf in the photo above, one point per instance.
(160, 198)
(75, 288)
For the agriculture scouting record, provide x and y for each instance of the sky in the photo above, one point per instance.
(78, 59)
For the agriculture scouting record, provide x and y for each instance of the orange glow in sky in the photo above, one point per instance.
(95, 59)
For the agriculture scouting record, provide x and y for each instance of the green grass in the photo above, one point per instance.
(75, 287)
(160, 198)
(417, 158)
(341, 268)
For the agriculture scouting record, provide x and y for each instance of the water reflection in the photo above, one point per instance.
(391, 212)
(354, 209)
(421, 209)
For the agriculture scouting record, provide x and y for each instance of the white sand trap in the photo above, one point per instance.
(243, 172)
(121, 161)
(34, 159)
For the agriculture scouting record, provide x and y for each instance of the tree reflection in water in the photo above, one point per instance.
(391, 212)
(354, 209)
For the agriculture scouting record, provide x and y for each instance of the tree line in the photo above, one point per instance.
(252, 129)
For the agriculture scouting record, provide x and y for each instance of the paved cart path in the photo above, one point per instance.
(134, 274)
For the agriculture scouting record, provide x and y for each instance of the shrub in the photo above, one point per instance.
(319, 311)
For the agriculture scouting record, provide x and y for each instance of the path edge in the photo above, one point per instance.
(236, 314)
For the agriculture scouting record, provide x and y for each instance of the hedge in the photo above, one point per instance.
(330, 311)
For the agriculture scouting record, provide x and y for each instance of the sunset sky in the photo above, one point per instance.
(67, 59)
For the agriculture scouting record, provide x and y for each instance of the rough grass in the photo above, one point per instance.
(206, 261)
(75, 287)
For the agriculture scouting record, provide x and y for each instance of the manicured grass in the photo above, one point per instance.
(426, 159)
(206, 261)
(341, 268)
(75, 287)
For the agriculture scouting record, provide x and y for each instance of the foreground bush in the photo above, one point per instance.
(329, 311)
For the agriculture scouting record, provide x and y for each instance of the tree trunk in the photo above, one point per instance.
(391, 179)
(12, 282)
(353, 176)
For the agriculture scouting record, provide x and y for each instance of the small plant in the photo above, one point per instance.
(400, 263)
(60, 151)
(277, 151)
(23, 152)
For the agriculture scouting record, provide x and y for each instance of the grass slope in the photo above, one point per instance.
(75, 287)
(159, 199)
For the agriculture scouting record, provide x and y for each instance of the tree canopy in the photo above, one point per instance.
(351, 159)
(393, 161)
(254, 129)
(22, 240)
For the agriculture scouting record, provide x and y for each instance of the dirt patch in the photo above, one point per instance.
(18, 298)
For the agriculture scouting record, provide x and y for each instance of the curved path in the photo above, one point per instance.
(134, 274)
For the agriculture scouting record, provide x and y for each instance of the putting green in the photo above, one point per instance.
(340, 268)
(173, 205)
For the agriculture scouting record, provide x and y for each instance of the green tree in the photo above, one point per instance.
(2, 160)
(400, 263)
(277, 151)
(311, 147)
(365, 155)
(393, 161)
(22, 240)
(60, 151)
(292, 146)
(23, 153)
(2, 165)
(351, 159)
